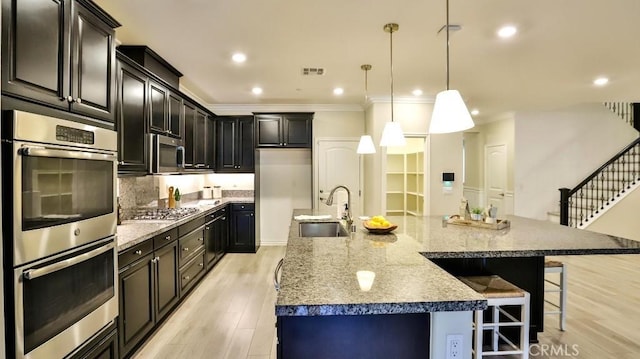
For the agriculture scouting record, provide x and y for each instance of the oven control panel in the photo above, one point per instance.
(76, 135)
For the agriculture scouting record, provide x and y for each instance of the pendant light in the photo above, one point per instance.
(392, 135)
(365, 146)
(450, 114)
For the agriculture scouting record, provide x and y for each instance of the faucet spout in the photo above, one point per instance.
(330, 202)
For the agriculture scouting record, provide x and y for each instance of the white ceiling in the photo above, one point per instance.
(561, 47)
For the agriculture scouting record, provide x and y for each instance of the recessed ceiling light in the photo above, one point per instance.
(417, 92)
(239, 57)
(338, 91)
(601, 81)
(256, 90)
(475, 112)
(507, 31)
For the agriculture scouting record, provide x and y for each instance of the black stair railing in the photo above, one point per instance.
(601, 188)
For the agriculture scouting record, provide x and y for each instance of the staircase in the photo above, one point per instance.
(608, 184)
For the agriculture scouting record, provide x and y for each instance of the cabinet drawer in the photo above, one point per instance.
(190, 226)
(191, 244)
(165, 238)
(134, 253)
(242, 207)
(191, 272)
(213, 215)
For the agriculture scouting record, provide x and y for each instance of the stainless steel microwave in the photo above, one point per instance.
(167, 154)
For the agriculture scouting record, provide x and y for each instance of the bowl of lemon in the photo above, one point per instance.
(379, 225)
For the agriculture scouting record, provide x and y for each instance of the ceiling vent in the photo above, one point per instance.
(312, 71)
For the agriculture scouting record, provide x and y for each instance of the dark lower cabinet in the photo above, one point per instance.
(104, 346)
(243, 235)
(136, 303)
(149, 287)
(403, 336)
(167, 290)
(215, 236)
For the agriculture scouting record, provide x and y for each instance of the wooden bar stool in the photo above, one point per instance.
(499, 293)
(551, 266)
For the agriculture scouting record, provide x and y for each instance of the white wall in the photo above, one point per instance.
(285, 184)
(445, 155)
(621, 219)
(338, 123)
(560, 148)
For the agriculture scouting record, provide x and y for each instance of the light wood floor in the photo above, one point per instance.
(230, 314)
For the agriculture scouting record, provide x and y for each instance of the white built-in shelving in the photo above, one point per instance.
(405, 179)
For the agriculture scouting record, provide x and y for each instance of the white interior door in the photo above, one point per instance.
(496, 176)
(338, 163)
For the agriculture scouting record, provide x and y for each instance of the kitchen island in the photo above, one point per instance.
(322, 302)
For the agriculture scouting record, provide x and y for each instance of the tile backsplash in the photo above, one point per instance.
(152, 191)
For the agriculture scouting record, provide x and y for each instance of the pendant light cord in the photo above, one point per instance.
(447, 45)
(391, 62)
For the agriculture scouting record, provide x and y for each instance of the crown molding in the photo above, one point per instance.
(402, 100)
(248, 109)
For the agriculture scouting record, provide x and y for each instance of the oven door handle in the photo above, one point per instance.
(49, 152)
(39, 272)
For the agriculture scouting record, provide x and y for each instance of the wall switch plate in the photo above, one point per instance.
(454, 346)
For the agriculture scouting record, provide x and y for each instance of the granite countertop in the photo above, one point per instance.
(319, 274)
(132, 232)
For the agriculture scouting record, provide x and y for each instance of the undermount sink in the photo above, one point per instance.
(322, 229)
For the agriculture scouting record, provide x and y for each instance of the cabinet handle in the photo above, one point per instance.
(138, 252)
(79, 100)
(69, 98)
(201, 239)
(207, 228)
(285, 143)
(281, 144)
(185, 249)
(153, 261)
(201, 264)
(242, 207)
(157, 259)
(224, 218)
(121, 163)
(251, 214)
(186, 277)
(276, 280)
(167, 238)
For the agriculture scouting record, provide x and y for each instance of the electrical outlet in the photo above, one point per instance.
(454, 346)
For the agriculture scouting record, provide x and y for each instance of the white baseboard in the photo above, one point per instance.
(272, 242)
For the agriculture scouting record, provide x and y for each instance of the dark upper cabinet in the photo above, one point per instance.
(60, 54)
(176, 115)
(131, 120)
(158, 108)
(188, 135)
(200, 139)
(242, 237)
(234, 145)
(210, 143)
(166, 112)
(283, 130)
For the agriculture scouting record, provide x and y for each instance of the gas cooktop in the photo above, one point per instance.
(164, 214)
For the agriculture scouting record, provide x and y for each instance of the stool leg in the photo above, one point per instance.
(477, 338)
(524, 333)
(563, 297)
(496, 329)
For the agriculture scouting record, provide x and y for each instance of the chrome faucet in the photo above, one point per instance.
(329, 202)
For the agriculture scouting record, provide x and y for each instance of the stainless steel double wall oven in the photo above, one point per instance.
(59, 225)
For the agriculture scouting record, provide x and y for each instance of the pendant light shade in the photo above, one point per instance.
(392, 135)
(366, 145)
(450, 114)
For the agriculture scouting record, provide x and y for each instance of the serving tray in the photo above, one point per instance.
(500, 223)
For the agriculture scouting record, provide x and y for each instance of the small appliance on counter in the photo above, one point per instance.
(207, 192)
(217, 192)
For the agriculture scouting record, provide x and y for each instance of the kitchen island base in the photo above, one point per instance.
(386, 336)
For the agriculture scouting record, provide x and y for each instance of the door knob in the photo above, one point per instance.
(321, 191)
(502, 194)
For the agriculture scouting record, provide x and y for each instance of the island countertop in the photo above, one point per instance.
(319, 274)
